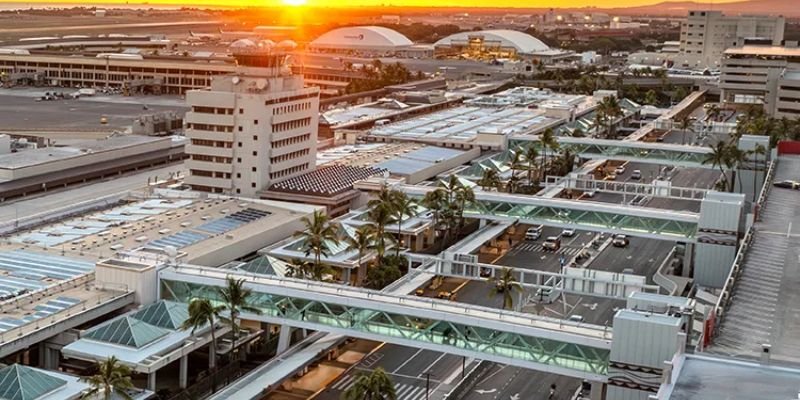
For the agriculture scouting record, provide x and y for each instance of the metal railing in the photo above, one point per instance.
(765, 189)
(661, 279)
(726, 295)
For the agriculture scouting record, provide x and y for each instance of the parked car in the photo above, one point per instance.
(552, 243)
(533, 233)
(620, 241)
(620, 170)
(419, 292)
(788, 184)
(636, 174)
(486, 272)
(576, 318)
(446, 295)
(569, 232)
(611, 177)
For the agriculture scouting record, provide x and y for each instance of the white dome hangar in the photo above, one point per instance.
(371, 39)
(520, 42)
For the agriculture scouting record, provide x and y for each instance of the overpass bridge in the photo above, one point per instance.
(624, 150)
(635, 221)
(523, 340)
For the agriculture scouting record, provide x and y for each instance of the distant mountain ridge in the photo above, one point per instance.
(788, 8)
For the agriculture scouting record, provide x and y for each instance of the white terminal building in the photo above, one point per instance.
(249, 132)
(368, 41)
(705, 35)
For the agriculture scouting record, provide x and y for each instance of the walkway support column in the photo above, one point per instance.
(151, 381)
(183, 375)
(284, 339)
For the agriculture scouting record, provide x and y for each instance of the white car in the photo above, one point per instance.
(620, 170)
(569, 232)
(533, 233)
(636, 174)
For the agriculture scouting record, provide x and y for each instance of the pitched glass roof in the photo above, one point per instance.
(127, 331)
(164, 314)
(19, 382)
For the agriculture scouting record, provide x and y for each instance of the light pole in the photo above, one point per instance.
(427, 384)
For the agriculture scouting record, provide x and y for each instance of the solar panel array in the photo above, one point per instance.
(326, 181)
(179, 240)
(233, 221)
(44, 310)
(26, 271)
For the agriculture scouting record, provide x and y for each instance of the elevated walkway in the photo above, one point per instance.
(524, 340)
(634, 221)
(625, 150)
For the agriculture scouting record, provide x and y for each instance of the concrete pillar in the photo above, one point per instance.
(42, 355)
(688, 260)
(598, 391)
(183, 374)
(482, 223)
(151, 381)
(284, 339)
(346, 273)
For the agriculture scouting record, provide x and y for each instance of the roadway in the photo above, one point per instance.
(408, 368)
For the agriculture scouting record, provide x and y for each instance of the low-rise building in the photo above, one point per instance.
(767, 76)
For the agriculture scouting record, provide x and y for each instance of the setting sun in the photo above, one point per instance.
(294, 3)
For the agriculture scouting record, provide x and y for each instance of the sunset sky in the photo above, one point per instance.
(439, 3)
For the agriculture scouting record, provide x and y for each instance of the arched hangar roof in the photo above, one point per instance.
(522, 42)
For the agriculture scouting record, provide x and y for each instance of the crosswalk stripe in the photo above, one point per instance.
(401, 388)
(344, 383)
(416, 394)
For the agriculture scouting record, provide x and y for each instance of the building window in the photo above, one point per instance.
(254, 169)
(253, 184)
(238, 190)
(241, 111)
(255, 122)
(255, 153)
(240, 129)
(238, 175)
(238, 159)
(239, 144)
(255, 137)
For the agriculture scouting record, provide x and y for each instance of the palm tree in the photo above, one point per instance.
(718, 158)
(435, 202)
(318, 235)
(549, 142)
(490, 179)
(402, 206)
(362, 241)
(685, 124)
(512, 184)
(464, 196)
(375, 385)
(530, 156)
(201, 313)
(235, 299)
(112, 379)
(380, 213)
(651, 97)
(735, 160)
(611, 109)
(298, 268)
(506, 284)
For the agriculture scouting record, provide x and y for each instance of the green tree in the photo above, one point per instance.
(549, 142)
(506, 284)
(112, 379)
(490, 179)
(317, 236)
(363, 241)
(612, 110)
(203, 313)
(235, 300)
(512, 184)
(436, 202)
(530, 156)
(402, 206)
(735, 160)
(719, 158)
(685, 124)
(651, 97)
(375, 385)
(380, 213)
